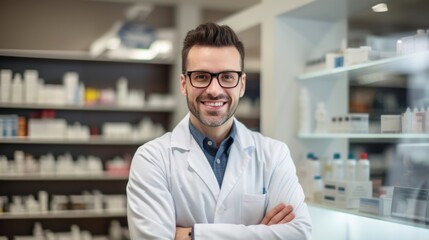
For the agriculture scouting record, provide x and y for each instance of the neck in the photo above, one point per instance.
(217, 134)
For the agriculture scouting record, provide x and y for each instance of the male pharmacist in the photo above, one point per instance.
(211, 177)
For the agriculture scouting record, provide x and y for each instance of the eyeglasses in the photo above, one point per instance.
(201, 79)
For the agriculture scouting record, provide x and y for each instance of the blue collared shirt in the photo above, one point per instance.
(217, 156)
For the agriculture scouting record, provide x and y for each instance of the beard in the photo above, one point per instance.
(211, 118)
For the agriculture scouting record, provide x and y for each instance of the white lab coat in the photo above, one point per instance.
(172, 184)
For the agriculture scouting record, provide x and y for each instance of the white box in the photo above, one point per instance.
(359, 122)
(378, 206)
(346, 194)
(390, 123)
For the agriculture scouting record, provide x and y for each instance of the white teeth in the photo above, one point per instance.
(215, 104)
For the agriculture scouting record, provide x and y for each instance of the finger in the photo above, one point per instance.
(288, 218)
(273, 212)
(280, 215)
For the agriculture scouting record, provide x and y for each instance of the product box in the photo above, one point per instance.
(411, 203)
(390, 123)
(378, 206)
(359, 122)
(345, 194)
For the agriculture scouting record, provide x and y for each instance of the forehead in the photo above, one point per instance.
(213, 58)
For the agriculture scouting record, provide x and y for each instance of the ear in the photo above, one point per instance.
(183, 84)
(243, 85)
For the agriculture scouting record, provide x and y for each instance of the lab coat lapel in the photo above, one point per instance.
(199, 163)
(182, 139)
(238, 159)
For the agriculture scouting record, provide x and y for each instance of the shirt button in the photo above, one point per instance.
(218, 161)
(209, 143)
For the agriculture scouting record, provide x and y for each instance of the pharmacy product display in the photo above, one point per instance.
(69, 127)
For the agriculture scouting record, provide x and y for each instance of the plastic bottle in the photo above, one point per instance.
(327, 169)
(420, 41)
(317, 189)
(337, 167)
(363, 168)
(417, 121)
(321, 117)
(406, 121)
(350, 168)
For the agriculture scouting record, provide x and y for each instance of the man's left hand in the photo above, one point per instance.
(183, 233)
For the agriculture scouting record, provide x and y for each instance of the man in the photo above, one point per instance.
(211, 177)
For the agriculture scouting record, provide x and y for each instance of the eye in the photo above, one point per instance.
(200, 76)
(228, 76)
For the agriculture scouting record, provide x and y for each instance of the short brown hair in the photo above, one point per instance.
(214, 35)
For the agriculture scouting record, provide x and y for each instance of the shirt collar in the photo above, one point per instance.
(199, 136)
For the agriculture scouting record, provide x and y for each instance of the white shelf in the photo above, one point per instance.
(91, 141)
(88, 108)
(394, 136)
(367, 137)
(373, 216)
(71, 55)
(411, 63)
(60, 177)
(64, 214)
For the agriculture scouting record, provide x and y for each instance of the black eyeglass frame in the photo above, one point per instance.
(188, 73)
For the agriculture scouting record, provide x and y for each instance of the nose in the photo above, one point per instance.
(214, 88)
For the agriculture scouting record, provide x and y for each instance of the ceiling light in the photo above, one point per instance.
(381, 7)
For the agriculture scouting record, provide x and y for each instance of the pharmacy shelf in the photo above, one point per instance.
(72, 55)
(91, 141)
(62, 177)
(374, 136)
(411, 63)
(89, 108)
(373, 216)
(65, 214)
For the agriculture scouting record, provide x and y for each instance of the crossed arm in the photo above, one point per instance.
(278, 215)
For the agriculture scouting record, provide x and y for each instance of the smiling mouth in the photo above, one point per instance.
(214, 104)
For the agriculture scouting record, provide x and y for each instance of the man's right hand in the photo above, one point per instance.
(280, 214)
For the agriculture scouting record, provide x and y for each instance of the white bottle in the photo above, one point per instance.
(304, 111)
(420, 41)
(17, 95)
(337, 167)
(426, 127)
(5, 85)
(317, 189)
(416, 121)
(406, 121)
(327, 169)
(350, 168)
(321, 118)
(363, 168)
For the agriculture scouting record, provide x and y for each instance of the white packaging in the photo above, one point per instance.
(406, 121)
(117, 130)
(330, 60)
(363, 168)
(390, 123)
(43, 201)
(17, 94)
(317, 189)
(408, 45)
(417, 121)
(122, 91)
(420, 41)
(345, 194)
(350, 168)
(337, 167)
(321, 117)
(31, 78)
(51, 94)
(354, 56)
(47, 128)
(426, 127)
(379, 206)
(5, 85)
(359, 122)
(71, 84)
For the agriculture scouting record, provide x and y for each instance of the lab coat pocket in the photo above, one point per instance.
(253, 208)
